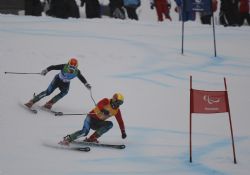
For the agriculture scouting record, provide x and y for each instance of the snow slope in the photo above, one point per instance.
(143, 61)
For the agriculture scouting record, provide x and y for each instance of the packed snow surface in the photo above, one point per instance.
(141, 59)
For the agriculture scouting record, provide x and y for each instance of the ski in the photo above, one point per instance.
(72, 147)
(75, 146)
(84, 149)
(32, 110)
(68, 147)
(56, 113)
(115, 146)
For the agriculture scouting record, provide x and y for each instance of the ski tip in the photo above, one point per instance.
(122, 146)
(34, 111)
(85, 149)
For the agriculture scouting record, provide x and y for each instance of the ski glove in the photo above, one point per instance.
(88, 86)
(105, 112)
(124, 135)
(44, 72)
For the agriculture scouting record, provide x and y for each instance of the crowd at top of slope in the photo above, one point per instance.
(231, 12)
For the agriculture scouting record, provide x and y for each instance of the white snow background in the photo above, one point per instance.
(141, 59)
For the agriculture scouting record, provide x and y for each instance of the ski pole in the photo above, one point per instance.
(92, 97)
(22, 73)
(71, 114)
(60, 114)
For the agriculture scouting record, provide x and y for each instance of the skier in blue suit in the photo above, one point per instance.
(62, 81)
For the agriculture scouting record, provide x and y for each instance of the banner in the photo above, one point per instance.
(208, 101)
(201, 5)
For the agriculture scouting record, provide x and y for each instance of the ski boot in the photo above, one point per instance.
(29, 104)
(66, 140)
(48, 105)
(92, 138)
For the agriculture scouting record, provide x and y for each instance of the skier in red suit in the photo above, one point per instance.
(244, 12)
(97, 120)
(162, 9)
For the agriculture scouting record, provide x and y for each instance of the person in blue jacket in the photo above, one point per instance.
(131, 6)
(62, 81)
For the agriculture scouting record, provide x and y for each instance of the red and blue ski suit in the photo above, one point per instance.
(96, 120)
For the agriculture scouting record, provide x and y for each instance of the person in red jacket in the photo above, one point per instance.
(96, 120)
(162, 8)
(244, 12)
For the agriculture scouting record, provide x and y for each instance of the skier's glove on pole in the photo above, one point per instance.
(124, 135)
(44, 72)
(88, 86)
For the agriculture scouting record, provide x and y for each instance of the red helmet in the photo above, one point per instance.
(73, 63)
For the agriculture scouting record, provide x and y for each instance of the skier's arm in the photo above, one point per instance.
(52, 67)
(83, 80)
(55, 67)
(119, 119)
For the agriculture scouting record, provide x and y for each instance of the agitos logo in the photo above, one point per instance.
(211, 100)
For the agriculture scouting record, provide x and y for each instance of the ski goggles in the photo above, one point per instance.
(71, 69)
(116, 103)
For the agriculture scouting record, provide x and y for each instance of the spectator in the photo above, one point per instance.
(244, 12)
(235, 12)
(116, 9)
(63, 9)
(33, 7)
(206, 16)
(162, 8)
(229, 12)
(131, 6)
(92, 8)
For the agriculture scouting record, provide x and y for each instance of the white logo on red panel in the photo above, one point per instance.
(211, 100)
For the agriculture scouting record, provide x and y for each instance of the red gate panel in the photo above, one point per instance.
(208, 101)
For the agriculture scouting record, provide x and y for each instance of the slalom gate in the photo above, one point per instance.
(209, 102)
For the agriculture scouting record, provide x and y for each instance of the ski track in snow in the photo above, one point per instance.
(167, 72)
(200, 153)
